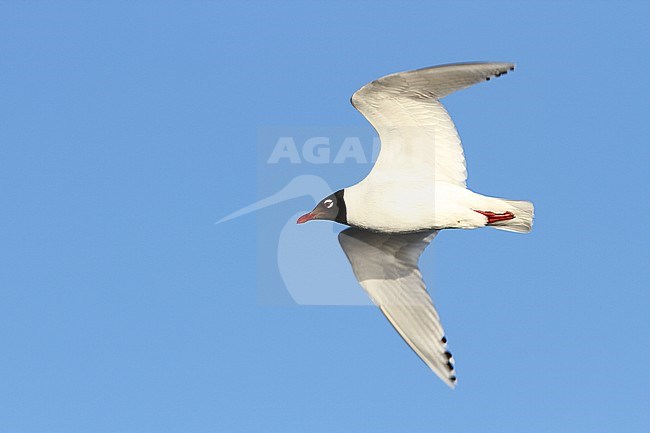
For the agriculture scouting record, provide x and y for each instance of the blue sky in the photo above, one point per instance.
(127, 129)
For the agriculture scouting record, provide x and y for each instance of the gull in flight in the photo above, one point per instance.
(416, 188)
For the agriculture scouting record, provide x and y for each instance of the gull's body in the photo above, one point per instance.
(416, 188)
(409, 205)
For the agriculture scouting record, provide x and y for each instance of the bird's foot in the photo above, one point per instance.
(494, 217)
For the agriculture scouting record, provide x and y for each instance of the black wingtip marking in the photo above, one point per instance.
(453, 378)
(499, 73)
(448, 354)
(444, 340)
(450, 365)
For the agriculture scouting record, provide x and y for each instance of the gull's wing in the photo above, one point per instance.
(386, 266)
(418, 138)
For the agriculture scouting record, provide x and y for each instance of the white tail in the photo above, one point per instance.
(523, 220)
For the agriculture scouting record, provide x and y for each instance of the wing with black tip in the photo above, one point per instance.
(418, 138)
(386, 266)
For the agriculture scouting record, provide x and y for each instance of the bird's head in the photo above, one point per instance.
(330, 208)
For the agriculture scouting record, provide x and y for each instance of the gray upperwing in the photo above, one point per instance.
(386, 266)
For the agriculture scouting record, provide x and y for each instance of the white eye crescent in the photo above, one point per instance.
(328, 203)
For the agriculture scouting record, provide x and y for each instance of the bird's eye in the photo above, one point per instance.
(328, 203)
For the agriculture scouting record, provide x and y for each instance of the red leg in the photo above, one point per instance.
(494, 217)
